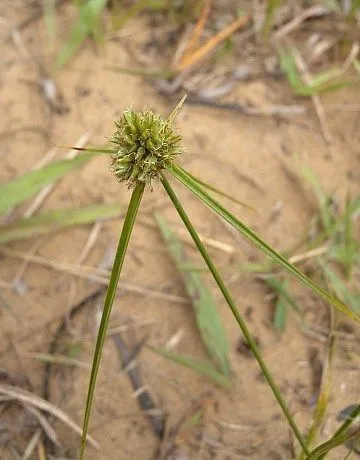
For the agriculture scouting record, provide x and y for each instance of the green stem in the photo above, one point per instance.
(341, 430)
(234, 310)
(109, 300)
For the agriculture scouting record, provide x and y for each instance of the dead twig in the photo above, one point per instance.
(145, 400)
(210, 45)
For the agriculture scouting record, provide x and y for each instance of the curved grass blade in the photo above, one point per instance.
(27, 185)
(201, 367)
(109, 300)
(215, 190)
(56, 220)
(194, 187)
(252, 344)
(208, 320)
(327, 446)
(334, 442)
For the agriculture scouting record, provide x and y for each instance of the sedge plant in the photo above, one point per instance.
(145, 149)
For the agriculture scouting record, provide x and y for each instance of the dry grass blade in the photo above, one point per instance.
(26, 397)
(57, 359)
(207, 317)
(209, 46)
(45, 425)
(30, 448)
(100, 276)
(194, 39)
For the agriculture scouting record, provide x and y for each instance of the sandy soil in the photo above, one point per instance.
(248, 158)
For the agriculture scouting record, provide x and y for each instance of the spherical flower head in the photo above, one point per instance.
(143, 144)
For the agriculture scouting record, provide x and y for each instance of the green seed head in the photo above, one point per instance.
(143, 144)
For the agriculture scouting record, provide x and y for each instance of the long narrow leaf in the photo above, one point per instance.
(86, 23)
(25, 186)
(207, 317)
(201, 367)
(56, 220)
(109, 300)
(215, 190)
(242, 324)
(193, 186)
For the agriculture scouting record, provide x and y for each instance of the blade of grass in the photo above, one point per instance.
(25, 186)
(283, 303)
(109, 300)
(211, 330)
(86, 23)
(237, 315)
(339, 432)
(324, 201)
(209, 45)
(194, 187)
(216, 190)
(55, 220)
(323, 449)
(200, 367)
(272, 6)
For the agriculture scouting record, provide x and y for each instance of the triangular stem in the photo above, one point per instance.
(217, 277)
(109, 300)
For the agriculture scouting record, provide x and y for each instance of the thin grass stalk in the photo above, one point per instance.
(234, 310)
(109, 300)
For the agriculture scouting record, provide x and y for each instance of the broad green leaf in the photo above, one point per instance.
(193, 186)
(109, 300)
(25, 186)
(55, 220)
(86, 24)
(230, 301)
(201, 367)
(209, 324)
